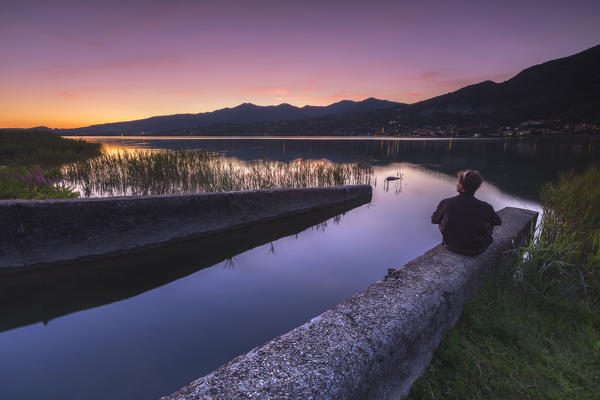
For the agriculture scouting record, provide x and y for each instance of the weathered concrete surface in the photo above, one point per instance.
(42, 232)
(373, 345)
(42, 294)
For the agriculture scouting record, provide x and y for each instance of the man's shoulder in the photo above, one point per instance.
(450, 199)
(484, 204)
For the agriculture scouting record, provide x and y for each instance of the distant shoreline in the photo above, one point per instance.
(388, 138)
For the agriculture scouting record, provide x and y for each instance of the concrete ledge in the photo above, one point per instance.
(42, 232)
(42, 294)
(373, 345)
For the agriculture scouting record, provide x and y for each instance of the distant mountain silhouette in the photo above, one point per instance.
(242, 114)
(566, 89)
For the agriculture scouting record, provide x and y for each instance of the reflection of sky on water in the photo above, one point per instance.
(156, 342)
(515, 165)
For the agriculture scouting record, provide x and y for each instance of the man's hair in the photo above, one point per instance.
(470, 180)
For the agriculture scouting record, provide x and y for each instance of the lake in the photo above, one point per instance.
(144, 325)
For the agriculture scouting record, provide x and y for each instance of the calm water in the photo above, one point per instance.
(143, 326)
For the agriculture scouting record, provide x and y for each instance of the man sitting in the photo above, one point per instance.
(466, 223)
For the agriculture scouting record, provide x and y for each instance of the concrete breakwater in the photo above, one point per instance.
(42, 294)
(42, 232)
(373, 345)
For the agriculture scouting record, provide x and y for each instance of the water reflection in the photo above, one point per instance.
(515, 165)
(119, 173)
(45, 294)
(153, 343)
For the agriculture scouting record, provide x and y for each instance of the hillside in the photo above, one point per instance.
(242, 114)
(567, 89)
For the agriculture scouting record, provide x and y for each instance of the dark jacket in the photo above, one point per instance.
(466, 223)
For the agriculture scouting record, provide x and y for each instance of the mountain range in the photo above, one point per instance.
(565, 89)
(242, 114)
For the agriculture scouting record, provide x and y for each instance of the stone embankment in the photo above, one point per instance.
(373, 345)
(43, 232)
(42, 294)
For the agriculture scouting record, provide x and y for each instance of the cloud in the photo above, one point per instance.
(319, 100)
(265, 91)
(447, 79)
(76, 93)
(308, 95)
(76, 40)
(70, 70)
(430, 75)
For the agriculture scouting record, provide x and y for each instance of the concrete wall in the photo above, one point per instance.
(42, 232)
(373, 345)
(42, 294)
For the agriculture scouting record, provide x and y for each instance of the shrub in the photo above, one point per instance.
(32, 183)
(563, 260)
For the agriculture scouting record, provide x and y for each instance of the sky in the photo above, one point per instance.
(67, 64)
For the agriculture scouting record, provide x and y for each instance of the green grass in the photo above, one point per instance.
(42, 148)
(32, 183)
(39, 164)
(29, 161)
(159, 172)
(510, 345)
(564, 262)
(533, 332)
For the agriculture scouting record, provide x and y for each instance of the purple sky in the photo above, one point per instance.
(74, 63)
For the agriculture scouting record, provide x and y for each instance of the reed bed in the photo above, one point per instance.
(162, 172)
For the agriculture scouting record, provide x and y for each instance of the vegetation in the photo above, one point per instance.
(32, 183)
(533, 333)
(42, 148)
(40, 164)
(564, 261)
(29, 163)
(157, 172)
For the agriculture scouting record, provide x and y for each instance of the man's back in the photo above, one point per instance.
(466, 223)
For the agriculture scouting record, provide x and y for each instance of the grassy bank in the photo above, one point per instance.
(20, 148)
(39, 165)
(534, 331)
(30, 160)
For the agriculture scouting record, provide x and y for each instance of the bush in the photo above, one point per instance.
(564, 259)
(32, 183)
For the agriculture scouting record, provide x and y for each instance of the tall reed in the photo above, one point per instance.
(160, 172)
(564, 260)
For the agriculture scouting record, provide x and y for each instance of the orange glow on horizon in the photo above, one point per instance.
(112, 61)
(68, 111)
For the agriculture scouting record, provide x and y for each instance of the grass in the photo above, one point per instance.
(42, 148)
(510, 345)
(159, 172)
(40, 164)
(565, 259)
(33, 183)
(29, 163)
(534, 331)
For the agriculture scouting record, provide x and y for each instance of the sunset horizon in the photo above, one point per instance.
(285, 199)
(70, 65)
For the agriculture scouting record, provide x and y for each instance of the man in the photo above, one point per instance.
(466, 223)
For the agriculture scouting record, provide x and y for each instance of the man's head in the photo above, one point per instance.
(468, 181)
